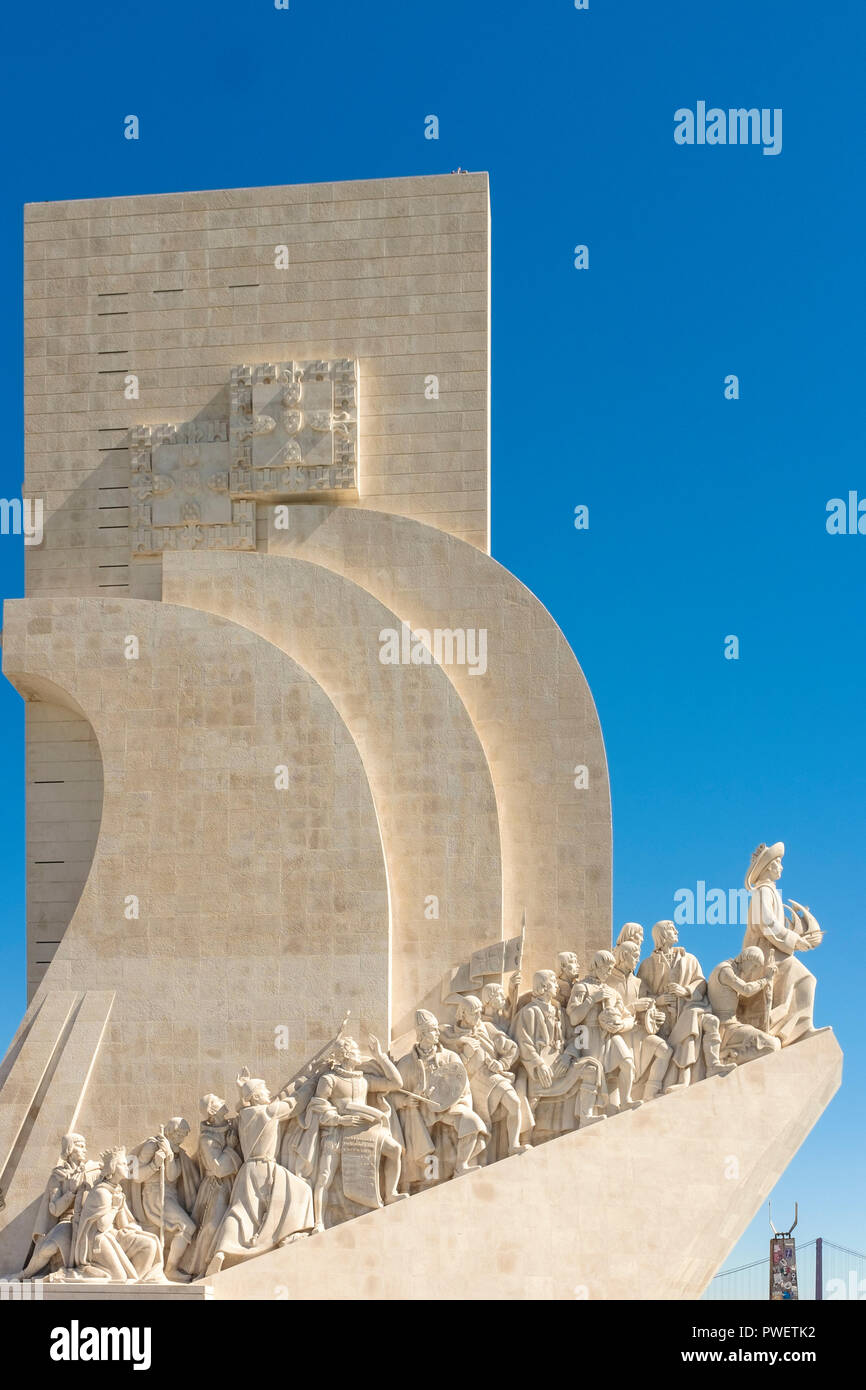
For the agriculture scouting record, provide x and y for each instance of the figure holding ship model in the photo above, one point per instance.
(793, 992)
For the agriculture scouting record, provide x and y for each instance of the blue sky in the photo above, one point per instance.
(707, 516)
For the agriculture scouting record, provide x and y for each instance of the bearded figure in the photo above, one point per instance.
(269, 1205)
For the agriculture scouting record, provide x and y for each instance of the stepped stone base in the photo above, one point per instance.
(79, 1291)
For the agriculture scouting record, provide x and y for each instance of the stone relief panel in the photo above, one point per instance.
(292, 430)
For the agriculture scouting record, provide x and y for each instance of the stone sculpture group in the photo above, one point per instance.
(351, 1133)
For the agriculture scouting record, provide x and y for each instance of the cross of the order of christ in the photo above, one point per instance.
(292, 431)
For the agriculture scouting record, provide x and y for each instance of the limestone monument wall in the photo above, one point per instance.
(176, 289)
(318, 815)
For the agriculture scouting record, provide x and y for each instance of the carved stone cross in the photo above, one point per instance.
(292, 431)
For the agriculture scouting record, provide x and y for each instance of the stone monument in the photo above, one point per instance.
(301, 769)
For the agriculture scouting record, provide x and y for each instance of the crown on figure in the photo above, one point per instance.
(109, 1157)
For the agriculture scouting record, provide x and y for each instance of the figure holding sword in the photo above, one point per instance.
(347, 1137)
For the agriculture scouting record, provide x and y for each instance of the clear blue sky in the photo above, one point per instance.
(707, 516)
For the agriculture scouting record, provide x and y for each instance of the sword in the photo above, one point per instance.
(318, 1055)
(162, 1202)
(768, 991)
(428, 1100)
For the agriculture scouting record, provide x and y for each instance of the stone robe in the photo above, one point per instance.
(163, 1202)
(732, 1000)
(338, 1092)
(427, 1132)
(499, 1018)
(59, 1211)
(682, 1025)
(479, 1047)
(588, 999)
(294, 1129)
(793, 984)
(538, 1033)
(649, 1050)
(108, 1237)
(564, 987)
(219, 1161)
(268, 1203)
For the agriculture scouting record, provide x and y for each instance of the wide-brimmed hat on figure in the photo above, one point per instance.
(762, 858)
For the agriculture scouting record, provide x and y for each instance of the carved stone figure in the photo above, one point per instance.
(58, 1214)
(730, 984)
(567, 972)
(109, 1243)
(489, 1056)
(630, 931)
(269, 1205)
(651, 1053)
(602, 1024)
(349, 1133)
(164, 1185)
(562, 1086)
(443, 1135)
(793, 993)
(497, 1006)
(301, 1091)
(219, 1159)
(672, 975)
(675, 979)
(709, 1061)
(347, 1139)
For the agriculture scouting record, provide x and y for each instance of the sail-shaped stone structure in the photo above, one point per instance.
(300, 749)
